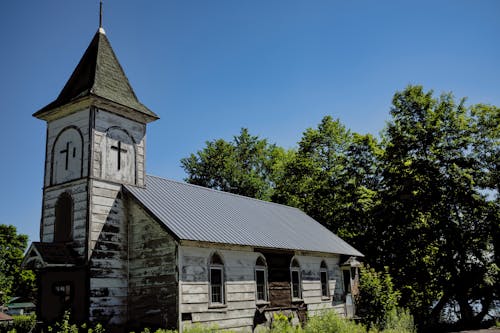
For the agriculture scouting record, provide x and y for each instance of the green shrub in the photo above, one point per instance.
(197, 328)
(282, 324)
(400, 320)
(200, 329)
(330, 322)
(377, 297)
(20, 324)
(65, 326)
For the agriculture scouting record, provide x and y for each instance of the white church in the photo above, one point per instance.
(130, 250)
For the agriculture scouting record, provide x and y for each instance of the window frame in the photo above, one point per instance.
(64, 290)
(261, 267)
(325, 289)
(295, 268)
(216, 266)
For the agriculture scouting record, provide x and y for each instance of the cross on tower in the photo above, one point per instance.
(119, 150)
(66, 152)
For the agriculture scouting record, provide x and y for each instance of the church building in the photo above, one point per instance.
(130, 250)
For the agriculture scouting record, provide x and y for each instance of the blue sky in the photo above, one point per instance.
(208, 68)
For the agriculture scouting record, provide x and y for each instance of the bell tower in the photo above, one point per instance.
(96, 131)
(96, 134)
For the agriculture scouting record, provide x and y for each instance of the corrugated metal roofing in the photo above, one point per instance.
(200, 214)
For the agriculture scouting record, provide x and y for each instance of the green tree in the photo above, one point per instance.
(334, 178)
(313, 178)
(13, 280)
(377, 298)
(435, 227)
(247, 165)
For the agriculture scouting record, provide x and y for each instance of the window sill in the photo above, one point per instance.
(260, 303)
(326, 298)
(217, 308)
(297, 300)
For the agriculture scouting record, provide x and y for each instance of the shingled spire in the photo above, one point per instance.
(99, 74)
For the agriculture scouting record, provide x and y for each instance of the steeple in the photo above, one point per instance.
(100, 75)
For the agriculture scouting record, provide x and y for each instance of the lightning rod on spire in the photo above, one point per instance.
(101, 29)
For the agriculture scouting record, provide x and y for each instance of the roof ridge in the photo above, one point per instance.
(224, 192)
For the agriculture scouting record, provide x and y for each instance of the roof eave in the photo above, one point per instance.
(50, 113)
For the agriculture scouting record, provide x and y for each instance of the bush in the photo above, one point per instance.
(282, 324)
(189, 329)
(400, 321)
(331, 322)
(377, 297)
(65, 326)
(20, 324)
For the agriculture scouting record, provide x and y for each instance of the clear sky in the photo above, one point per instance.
(208, 68)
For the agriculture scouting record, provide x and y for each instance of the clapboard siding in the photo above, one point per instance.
(108, 315)
(311, 283)
(240, 304)
(78, 191)
(153, 285)
(108, 251)
(240, 294)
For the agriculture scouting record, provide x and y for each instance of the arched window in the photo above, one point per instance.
(63, 225)
(295, 278)
(216, 279)
(261, 279)
(323, 273)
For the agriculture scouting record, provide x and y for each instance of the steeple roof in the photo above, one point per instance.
(99, 74)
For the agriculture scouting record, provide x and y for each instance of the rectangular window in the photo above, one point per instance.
(216, 285)
(260, 279)
(324, 283)
(63, 290)
(296, 284)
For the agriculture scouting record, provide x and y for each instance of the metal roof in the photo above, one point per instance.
(200, 214)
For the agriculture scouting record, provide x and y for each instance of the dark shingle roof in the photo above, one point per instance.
(56, 253)
(100, 74)
(197, 213)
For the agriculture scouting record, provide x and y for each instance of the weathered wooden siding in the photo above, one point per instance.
(311, 283)
(79, 120)
(240, 287)
(153, 286)
(239, 266)
(108, 253)
(78, 191)
(104, 121)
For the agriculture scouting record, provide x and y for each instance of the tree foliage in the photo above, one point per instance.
(333, 177)
(13, 280)
(436, 229)
(247, 165)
